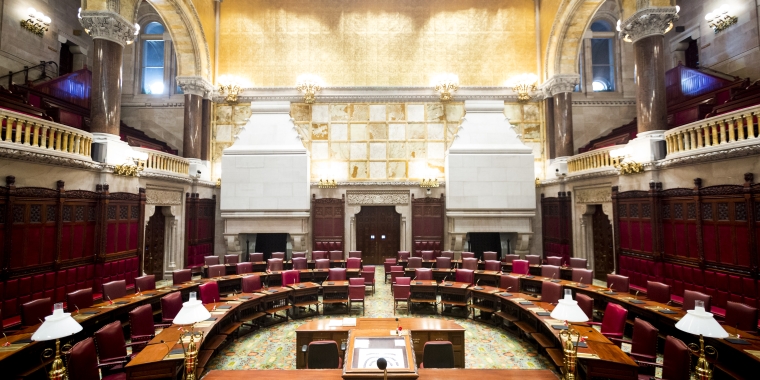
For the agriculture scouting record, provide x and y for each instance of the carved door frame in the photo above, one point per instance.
(171, 202)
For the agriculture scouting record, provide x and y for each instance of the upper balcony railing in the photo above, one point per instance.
(160, 161)
(43, 136)
(731, 128)
(595, 159)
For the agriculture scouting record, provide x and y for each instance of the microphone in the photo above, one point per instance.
(213, 300)
(553, 274)
(383, 365)
(6, 344)
(109, 300)
(444, 279)
(77, 308)
(580, 281)
(415, 277)
(138, 291)
(636, 296)
(476, 285)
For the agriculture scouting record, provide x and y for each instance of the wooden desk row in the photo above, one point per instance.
(424, 374)
(261, 266)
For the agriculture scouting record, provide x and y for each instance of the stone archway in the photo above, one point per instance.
(564, 44)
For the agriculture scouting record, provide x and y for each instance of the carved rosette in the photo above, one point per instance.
(559, 84)
(648, 22)
(195, 86)
(108, 25)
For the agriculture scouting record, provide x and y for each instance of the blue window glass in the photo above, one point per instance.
(154, 28)
(602, 64)
(601, 26)
(153, 67)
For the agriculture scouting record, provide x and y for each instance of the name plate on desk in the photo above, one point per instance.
(555, 281)
(636, 302)
(330, 283)
(526, 303)
(418, 283)
(559, 327)
(543, 313)
(223, 307)
(505, 294)
(667, 311)
(301, 286)
(177, 353)
(582, 286)
(610, 293)
(736, 341)
(448, 284)
(528, 277)
(244, 298)
(478, 288)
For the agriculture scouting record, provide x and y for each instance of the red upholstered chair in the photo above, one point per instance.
(322, 264)
(336, 255)
(414, 262)
(209, 292)
(300, 263)
(295, 255)
(251, 284)
(111, 346)
(141, 326)
(676, 361)
(586, 304)
(318, 255)
(356, 291)
(618, 283)
(448, 254)
(533, 259)
(467, 255)
(78, 299)
(438, 354)
(218, 270)
(211, 260)
(490, 255)
(423, 274)
(508, 283)
(550, 271)
(403, 255)
(510, 258)
(114, 289)
(389, 261)
(689, 296)
(644, 341)
(243, 268)
(181, 276)
(170, 306)
(401, 292)
(231, 259)
(470, 263)
(368, 274)
(465, 275)
(274, 265)
(494, 265)
(428, 255)
(613, 323)
(34, 312)
(551, 292)
(278, 255)
(577, 262)
(443, 262)
(143, 283)
(323, 354)
(82, 363)
(520, 266)
(396, 272)
(584, 276)
(353, 263)
(357, 254)
(658, 292)
(290, 277)
(337, 274)
(257, 257)
(741, 316)
(554, 260)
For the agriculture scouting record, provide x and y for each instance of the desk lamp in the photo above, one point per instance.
(699, 322)
(56, 326)
(567, 310)
(192, 312)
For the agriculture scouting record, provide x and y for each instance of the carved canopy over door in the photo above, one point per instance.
(327, 222)
(427, 224)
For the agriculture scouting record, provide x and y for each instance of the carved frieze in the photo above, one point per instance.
(594, 195)
(108, 25)
(163, 197)
(559, 84)
(195, 86)
(378, 197)
(648, 22)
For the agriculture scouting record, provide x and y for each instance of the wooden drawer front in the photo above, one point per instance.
(419, 338)
(439, 335)
(458, 359)
(322, 336)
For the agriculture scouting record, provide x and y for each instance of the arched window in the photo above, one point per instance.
(153, 59)
(597, 60)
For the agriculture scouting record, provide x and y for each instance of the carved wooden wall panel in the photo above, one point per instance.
(556, 219)
(327, 220)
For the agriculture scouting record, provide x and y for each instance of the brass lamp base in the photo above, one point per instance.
(191, 355)
(570, 349)
(57, 369)
(702, 370)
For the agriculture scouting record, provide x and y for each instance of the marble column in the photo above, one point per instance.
(206, 130)
(195, 89)
(559, 93)
(563, 124)
(549, 120)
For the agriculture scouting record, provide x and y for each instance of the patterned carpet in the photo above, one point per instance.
(275, 348)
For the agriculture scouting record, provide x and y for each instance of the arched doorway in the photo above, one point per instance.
(155, 235)
(604, 262)
(378, 230)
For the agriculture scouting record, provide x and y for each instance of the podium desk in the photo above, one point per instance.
(424, 374)
(365, 347)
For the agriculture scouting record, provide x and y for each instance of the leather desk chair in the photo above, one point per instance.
(170, 306)
(251, 284)
(428, 255)
(78, 299)
(82, 363)
(322, 354)
(443, 262)
(613, 323)
(336, 255)
(644, 341)
(218, 270)
(356, 290)
(209, 292)
(357, 254)
(533, 259)
(508, 259)
(520, 266)
(470, 255)
(143, 283)
(658, 292)
(689, 296)
(34, 312)
(414, 262)
(141, 326)
(336, 274)
(741, 316)
(181, 276)
(243, 268)
(111, 346)
(676, 361)
(396, 272)
(554, 260)
(584, 276)
(401, 292)
(618, 283)
(353, 263)
(322, 264)
(318, 255)
(210, 260)
(438, 354)
(389, 261)
(448, 254)
(490, 255)
(551, 292)
(114, 289)
(494, 265)
(465, 275)
(278, 255)
(510, 283)
(231, 259)
(296, 255)
(586, 304)
(470, 263)
(403, 255)
(300, 263)
(550, 271)
(368, 275)
(274, 265)
(256, 257)
(423, 274)
(290, 277)
(577, 262)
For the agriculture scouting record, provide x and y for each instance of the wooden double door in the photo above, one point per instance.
(154, 244)
(603, 253)
(378, 232)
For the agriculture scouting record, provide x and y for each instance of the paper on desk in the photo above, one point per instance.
(336, 323)
(554, 321)
(203, 324)
(349, 321)
(625, 347)
(361, 343)
(536, 309)
(518, 299)
(753, 352)
(234, 302)
(399, 343)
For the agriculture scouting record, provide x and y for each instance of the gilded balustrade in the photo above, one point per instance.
(728, 128)
(161, 161)
(29, 131)
(594, 159)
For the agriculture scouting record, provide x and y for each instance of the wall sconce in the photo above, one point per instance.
(328, 184)
(721, 18)
(428, 184)
(522, 84)
(229, 87)
(446, 84)
(310, 85)
(37, 22)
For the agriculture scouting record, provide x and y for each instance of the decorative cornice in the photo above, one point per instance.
(710, 156)
(165, 176)
(560, 83)
(596, 174)
(108, 25)
(650, 21)
(195, 86)
(49, 159)
(378, 183)
(596, 103)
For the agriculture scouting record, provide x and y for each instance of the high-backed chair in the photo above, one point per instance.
(550, 271)
(211, 260)
(533, 259)
(676, 360)
(658, 292)
(414, 262)
(274, 265)
(520, 266)
(448, 254)
(34, 312)
(353, 263)
(470, 263)
(586, 304)
(465, 275)
(295, 255)
(401, 292)
(443, 262)
(584, 276)
(428, 255)
(613, 323)
(171, 304)
(510, 258)
(231, 259)
(209, 292)
(322, 264)
(243, 268)
(114, 289)
(554, 260)
(618, 283)
(111, 346)
(257, 257)
(644, 341)
(141, 326)
(356, 292)
(357, 254)
(689, 296)
(467, 255)
(290, 277)
(389, 261)
(79, 299)
(396, 272)
(300, 263)
(490, 255)
(437, 354)
(337, 274)
(423, 274)
(368, 274)
(493, 265)
(181, 276)
(336, 255)
(577, 262)
(403, 255)
(82, 363)
(278, 255)
(318, 255)
(323, 354)
(251, 284)
(147, 282)
(551, 292)
(218, 270)
(741, 316)
(509, 283)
